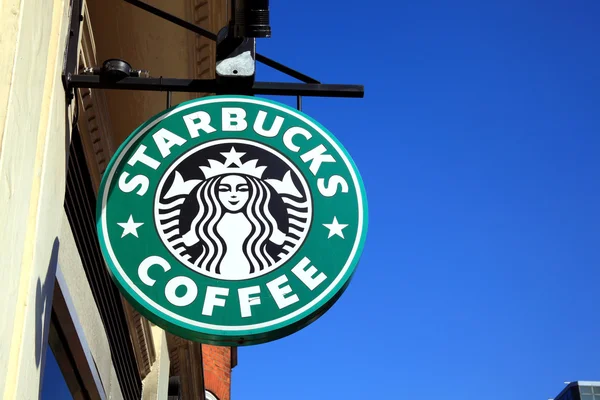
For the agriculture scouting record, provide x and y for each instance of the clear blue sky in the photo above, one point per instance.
(479, 144)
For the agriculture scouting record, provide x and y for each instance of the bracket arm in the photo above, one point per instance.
(173, 19)
(211, 86)
(207, 34)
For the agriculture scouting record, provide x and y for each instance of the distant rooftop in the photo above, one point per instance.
(589, 390)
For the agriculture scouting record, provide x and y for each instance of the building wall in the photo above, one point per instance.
(217, 370)
(33, 133)
(87, 312)
(146, 42)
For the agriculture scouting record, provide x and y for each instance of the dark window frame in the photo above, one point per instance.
(80, 207)
(67, 341)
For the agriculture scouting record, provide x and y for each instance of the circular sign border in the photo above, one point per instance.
(238, 334)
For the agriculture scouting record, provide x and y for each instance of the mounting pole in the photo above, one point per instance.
(236, 43)
(70, 66)
(250, 19)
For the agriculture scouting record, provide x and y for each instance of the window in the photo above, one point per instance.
(590, 392)
(70, 371)
(54, 386)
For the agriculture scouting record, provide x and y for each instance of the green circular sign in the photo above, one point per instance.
(231, 220)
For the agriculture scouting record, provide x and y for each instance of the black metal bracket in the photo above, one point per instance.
(71, 52)
(310, 86)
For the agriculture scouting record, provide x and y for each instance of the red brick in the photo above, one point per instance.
(217, 370)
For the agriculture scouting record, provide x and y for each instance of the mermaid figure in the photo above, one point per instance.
(234, 224)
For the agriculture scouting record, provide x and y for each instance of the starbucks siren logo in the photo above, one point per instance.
(231, 220)
(239, 220)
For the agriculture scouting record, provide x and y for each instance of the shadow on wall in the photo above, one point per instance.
(43, 306)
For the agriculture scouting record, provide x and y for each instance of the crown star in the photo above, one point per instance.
(232, 165)
(233, 157)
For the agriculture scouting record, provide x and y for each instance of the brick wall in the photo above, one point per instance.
(217, 370)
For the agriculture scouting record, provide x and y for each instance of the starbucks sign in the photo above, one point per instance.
(231, 220)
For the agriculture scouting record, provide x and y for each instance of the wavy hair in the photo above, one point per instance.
(256, 211)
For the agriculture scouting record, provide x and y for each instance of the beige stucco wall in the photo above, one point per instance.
(32, 180)
(156, 383)
(35, 237)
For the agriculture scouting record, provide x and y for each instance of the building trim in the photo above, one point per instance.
(81, 362)
(94, 119)
(97, 139)
(187, 363)
(79, 206)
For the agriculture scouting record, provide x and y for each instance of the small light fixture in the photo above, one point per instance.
(115, 69)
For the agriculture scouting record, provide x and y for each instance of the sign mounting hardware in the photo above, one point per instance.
(236, 57)
(228, 219)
